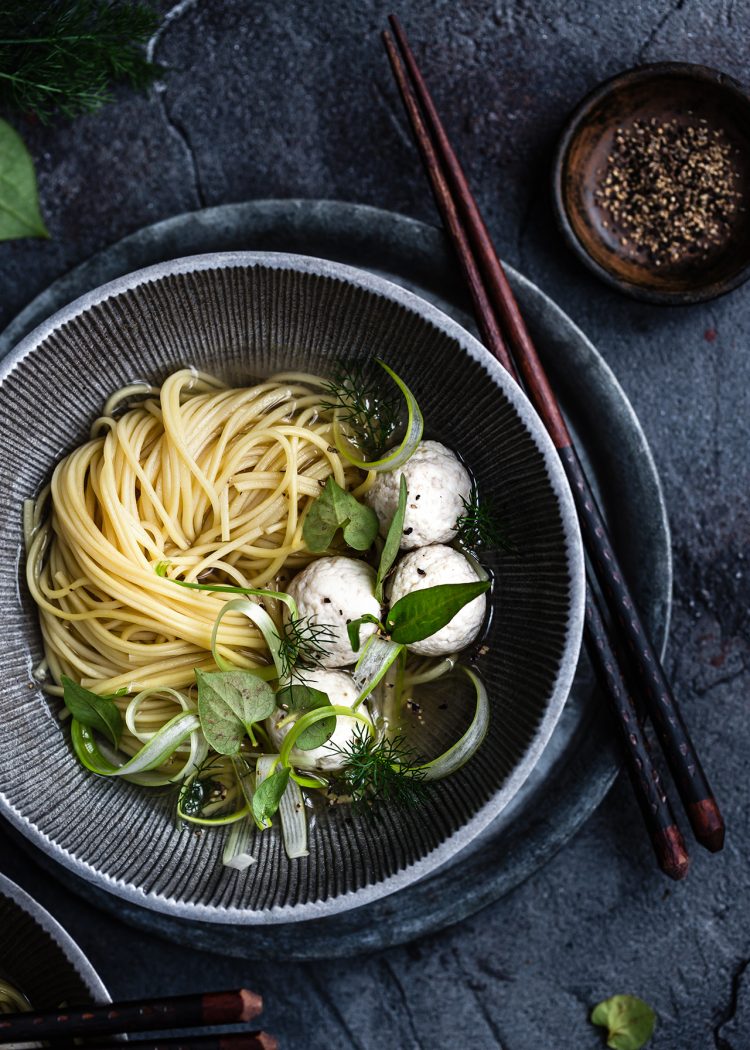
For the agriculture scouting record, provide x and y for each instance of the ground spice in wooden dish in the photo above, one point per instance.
(670, 189)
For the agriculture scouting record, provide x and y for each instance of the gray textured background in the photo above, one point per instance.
(295, 99)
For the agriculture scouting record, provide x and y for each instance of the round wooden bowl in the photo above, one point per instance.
(664, 91)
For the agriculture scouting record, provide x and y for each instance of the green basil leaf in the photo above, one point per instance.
(421, 613)
(229, 704)
(629, 1021)
(336, 509)
(352, 629)
(392, 543)
(90, 709)
(19, 202)
(301, 698)
(268, 796)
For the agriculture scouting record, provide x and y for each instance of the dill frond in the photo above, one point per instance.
(365, 404)
(479, 529)
(61, 56)
(303, 642)
(381, 771)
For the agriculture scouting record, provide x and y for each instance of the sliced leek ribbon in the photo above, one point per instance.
(263, 622)
(464, 748)
(162, 745)
(291, 810)
(375, 659)
(398, 456)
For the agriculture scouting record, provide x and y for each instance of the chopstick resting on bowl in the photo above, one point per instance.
(97, 1022)
(506, 335)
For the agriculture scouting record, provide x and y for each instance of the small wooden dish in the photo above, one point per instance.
(664, 91)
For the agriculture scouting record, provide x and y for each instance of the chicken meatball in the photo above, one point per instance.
(332, 592)
(437, 485)
(431, 567)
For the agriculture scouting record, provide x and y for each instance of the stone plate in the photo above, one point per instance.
(579, 764)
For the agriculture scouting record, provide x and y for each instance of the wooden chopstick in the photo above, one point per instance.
(692, 783)
(255, 1040)
(664, 833)
(146, 1015)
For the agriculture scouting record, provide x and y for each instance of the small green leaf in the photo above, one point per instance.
(301, 698)
(19, 201)
(421, 613)
(353, 628)
(628, 1020)
(336, 509)
(392, 543)
(90, 709)
(268, 796)
(229, 704)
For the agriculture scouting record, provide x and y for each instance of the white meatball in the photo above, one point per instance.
(341, 691)
(430, 567)
(334, 591)
(437, 483)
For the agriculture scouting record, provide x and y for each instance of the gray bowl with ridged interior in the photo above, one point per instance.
(39, 958)
(245, 315)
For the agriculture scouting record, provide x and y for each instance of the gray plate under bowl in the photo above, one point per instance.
(39, 958)
(579, 764)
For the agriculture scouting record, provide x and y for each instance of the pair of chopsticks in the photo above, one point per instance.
(620, 649)
(100, 1025)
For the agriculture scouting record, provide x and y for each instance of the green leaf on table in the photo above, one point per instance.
(268, 796)
(90, 709)
(353, 629)
(335, 509)
(19, 200)
(299, 698)
(392, 543)
(628, 1020)
(229, 704)
(420, 614)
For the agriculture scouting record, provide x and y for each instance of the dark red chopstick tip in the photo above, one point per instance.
(669, 847)
(252, 1004)
(707, 823)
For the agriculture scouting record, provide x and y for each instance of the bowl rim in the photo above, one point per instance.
(75, 956)
(383, 288)
(577, 118)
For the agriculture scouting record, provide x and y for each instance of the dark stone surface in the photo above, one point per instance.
(295, 99)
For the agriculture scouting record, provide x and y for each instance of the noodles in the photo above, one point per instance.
(211, 480)
(191, 493)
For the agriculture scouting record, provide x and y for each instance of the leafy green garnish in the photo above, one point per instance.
(380, 771)
(298, 698)
(367, 404)
(480, 528)
(335, 509)
(353, 629)
(229, 703)
(629, 1021)
(420, 614)
(19, 200)
(392, 540)
(302, 641)
(61, 56)
(90, 709)
(268, 796)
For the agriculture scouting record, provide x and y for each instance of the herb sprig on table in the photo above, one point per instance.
(60, 58)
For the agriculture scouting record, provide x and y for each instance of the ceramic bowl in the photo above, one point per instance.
(245, 315)
(39, 958)
(663, 91)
